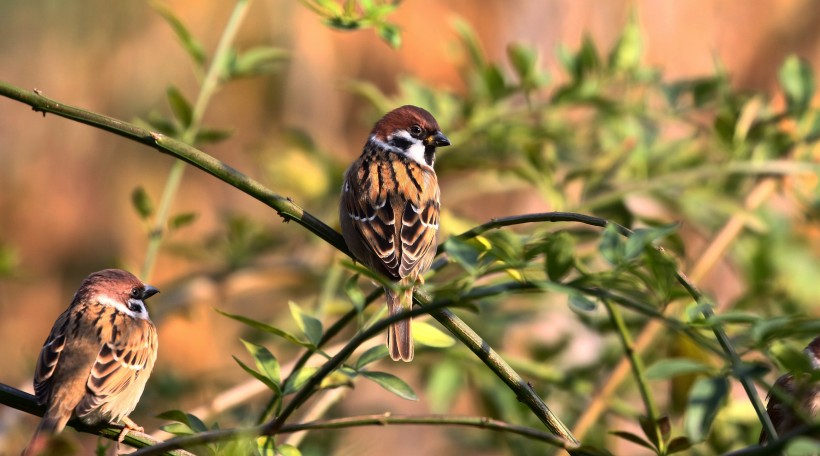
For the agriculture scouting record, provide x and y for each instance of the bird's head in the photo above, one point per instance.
(411, 131)
(116, 288)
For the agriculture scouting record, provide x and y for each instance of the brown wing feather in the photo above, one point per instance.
(125, 360)
(49, 357)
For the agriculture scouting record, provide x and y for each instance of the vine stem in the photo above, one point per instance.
(209, 86)
(638, 371)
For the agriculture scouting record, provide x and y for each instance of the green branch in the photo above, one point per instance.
(188, 136)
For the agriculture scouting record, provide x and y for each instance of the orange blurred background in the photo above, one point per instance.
(65, 188)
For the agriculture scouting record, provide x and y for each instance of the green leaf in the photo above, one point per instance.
(310, 326)
(465, 253)
(644, 237)
(626, 55)
(392, 383)
(802, 446)
(678, 444)
(559, 250)
(797, 81)
(181, 220)
(373, 354)
(705, 399)
(156, 122)
(265, 361)
(256, 61)
(612, 246)
(297, 380)
(142, 203)
(268, 329)
(287, 450)
(211, 136)
(391, 34)
(427, 334)
(180, 106)
(675, 367)
(189, 43)
(189, 421)
(636, 439)
(261, 377)
(351, 287)
(581, 304)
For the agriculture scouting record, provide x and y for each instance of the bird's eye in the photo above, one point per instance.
(135, 293)
(416, 131)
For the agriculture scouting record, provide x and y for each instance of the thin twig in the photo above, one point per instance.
(638, 371)
(376, 420)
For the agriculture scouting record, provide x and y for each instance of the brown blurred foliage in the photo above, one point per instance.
(65, 187)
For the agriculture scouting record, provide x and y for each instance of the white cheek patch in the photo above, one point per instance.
(415, 152)
(108, 301)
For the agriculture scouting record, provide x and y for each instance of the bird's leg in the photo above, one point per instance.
(128, 425)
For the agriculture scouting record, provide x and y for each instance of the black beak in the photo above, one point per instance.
(437, 140)
(149, 291)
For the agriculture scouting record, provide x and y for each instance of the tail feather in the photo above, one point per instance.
(48, 426)
(399, 335)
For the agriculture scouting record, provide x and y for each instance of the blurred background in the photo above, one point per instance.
(66, 188)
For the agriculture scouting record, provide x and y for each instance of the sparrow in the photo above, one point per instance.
(804, 393)
(97, 358)
(389, 209)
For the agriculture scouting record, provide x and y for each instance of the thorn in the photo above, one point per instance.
(37, 91)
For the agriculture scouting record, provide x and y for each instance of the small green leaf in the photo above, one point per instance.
(156, 122)
(181, 220)
(265, 361)
(256, 61)
(189, 421)
(678, 444)
(797, 81)
(626, 55)
(465, 253)
(287, 450)
(391, 34)
(427, 334)
(261, 377)
(644, 237)
(297, 380)
(310, 326)
(705, 399)
(211, 136)
(351, 288)
(559, 250)
(675, 367)
(373, 354)
(392, 383)
(268, 329)
(612, 246)
(189, 43)
(581, 304)
(802, 446)
(636, 439)
(142, 203)
(179, 106)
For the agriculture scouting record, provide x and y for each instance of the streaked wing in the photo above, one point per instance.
(367, 198)
(390, 202)
(49, 357)
(121, 361)
(418, 235)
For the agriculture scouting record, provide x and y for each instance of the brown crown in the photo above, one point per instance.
(403, 118)
(112, 282)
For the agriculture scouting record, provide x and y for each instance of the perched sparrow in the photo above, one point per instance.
(804, 393)
(389, 209)
(98, 356)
